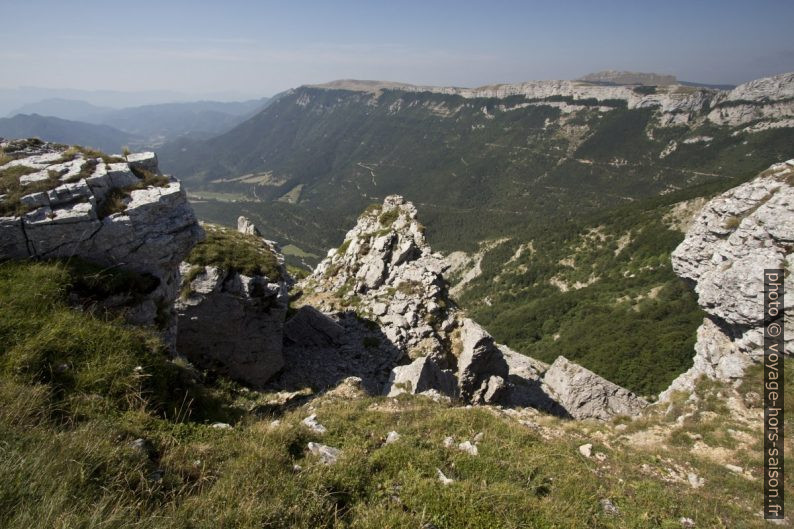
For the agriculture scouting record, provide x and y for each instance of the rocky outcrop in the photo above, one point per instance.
(231, 321)
(69, 202)
(736, 236)
(386, 271)
(585, 395)
(769, 99)
(482, 369)
(385, 280)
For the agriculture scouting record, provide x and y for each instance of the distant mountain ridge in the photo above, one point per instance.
(147, 125)
(57, 130)
(639, 78)
(553, 194)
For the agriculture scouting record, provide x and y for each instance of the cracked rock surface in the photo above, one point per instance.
(735, 237)
(149, 229)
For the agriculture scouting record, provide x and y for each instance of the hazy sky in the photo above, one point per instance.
(259, 48)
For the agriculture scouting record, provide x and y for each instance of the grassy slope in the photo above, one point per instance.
(67, 460)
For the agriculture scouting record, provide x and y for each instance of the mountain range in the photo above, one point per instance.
(144, 126)
(567, 195)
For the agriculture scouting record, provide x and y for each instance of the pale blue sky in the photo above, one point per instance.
(260, 48)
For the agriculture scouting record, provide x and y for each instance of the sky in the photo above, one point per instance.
(237, 48)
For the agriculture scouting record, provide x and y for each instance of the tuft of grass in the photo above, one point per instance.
(232, 251)
(14, 191)
(298, 273)
(388, 217)
(731, 223)
(148, 178)
(343, 247)
(372, 209)
(114, 202)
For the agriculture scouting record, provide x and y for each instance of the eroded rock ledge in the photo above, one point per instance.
(62, 202)
(735, 237)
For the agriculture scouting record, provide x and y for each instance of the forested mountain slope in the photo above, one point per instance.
(585, 174)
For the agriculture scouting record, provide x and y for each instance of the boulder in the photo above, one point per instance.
(585, 395)
(421, 375)
(143, 160)
(231, 322)
(247, 227)
(479, 360)
(493, 390)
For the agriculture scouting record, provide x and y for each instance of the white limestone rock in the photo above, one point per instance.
(479, 360)
(143, 160)
(327, 454)
(386, 264)
(423, 374)
(151, 236)
(734, 238)
(585, 395)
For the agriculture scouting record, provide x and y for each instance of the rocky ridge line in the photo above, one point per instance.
(767, 100)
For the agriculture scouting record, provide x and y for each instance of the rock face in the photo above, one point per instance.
(387, 272)
(385, 275)
(585, 395)
(107, 210)
(736, 236)
(482, 369)
(232, 322)
(768, 100)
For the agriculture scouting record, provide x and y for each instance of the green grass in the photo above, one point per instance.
(388, 217)
(67, 457)
(13, 190)
(232, 251)
(4, 158)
